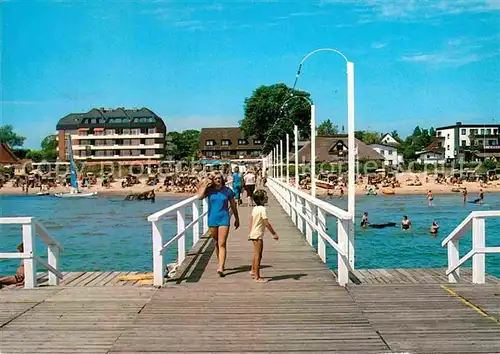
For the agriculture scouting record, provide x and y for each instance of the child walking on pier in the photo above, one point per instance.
(259, 222)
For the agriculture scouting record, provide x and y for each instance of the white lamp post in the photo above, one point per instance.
(281, 160)
(351, 143)
(296, 134)
(287, 158)
(313, 150)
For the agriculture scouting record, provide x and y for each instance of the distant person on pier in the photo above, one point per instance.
(18, 278)
(405, 223)
(237, 185)
(249, 184)
(258, 223)
(219, 199)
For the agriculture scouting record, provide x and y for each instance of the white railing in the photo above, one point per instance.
(310, 213)
(30, 229)
(180, 237)
(476, 222)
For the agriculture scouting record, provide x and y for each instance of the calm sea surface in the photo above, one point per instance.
(108, 233)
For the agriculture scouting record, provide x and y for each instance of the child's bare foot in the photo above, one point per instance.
(261, 280)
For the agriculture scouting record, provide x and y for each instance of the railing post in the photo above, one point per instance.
(196, 225)
(293, 205)
(478, 241)
(309, 214)
(30, 277)
(342, 260)
(181, 242)
(53, 260)
(350, 241)
(157, 228)
(453, 258)
(205, 217)
(300, 221)
(321, 240)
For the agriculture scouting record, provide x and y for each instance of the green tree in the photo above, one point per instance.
(327, 129)
(432, 132)
(49, 147)
(36, 155)
(265, 107)
(186, 144)
(368, 137)
(8, 135)
(395, 135)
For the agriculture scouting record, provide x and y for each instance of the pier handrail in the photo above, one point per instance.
(475, 221)
(306, 209)
(157, 231)
(30, 229)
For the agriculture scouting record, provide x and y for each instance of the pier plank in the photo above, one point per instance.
(300, 309)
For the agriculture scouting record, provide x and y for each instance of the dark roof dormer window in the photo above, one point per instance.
(225, 142)
(242, 142)
(257, 141)
(210, 143)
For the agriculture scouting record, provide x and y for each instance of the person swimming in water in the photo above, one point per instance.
(364, 220)
(405, 223)
(434, 227)
(479, 200)
(464, 195)
(430, 198)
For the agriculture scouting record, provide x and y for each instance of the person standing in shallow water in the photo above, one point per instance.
(405, 223)
(219, 198)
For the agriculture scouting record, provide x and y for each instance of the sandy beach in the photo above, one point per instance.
(116, 189)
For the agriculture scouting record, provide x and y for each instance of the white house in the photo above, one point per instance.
(389, 152)
(389, 140)
(457, 137)
(429, 157)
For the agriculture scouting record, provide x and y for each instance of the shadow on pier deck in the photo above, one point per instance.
(301, 308)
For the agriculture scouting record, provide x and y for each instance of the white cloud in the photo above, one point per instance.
(415, 10)
(379, 45)
(456, 52)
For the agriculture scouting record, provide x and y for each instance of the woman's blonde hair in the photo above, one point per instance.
(219, 174)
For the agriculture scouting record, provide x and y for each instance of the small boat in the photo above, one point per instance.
(76, 195)
(324, 184)
(381, 226)
(387, 191)
(75, 192)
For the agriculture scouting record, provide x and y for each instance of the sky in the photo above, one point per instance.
(417, 62)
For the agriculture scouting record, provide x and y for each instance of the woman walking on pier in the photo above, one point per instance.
(219, 199)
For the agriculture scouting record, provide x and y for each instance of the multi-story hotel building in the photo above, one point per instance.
(470, 141)
(229, 143)
(113, 135)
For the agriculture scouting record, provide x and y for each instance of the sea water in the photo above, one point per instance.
(109, 233)
(393, 247)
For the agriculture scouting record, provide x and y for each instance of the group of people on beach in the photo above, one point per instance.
(221, 200)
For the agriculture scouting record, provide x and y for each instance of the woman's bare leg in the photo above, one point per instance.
(214, 232)
(223, 234)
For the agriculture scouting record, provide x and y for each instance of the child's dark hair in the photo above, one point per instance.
(259, 197)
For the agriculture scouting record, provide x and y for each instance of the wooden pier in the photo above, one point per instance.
(300, 309)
